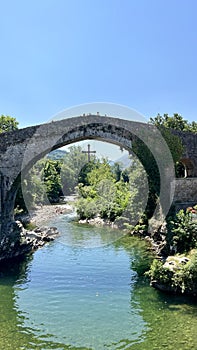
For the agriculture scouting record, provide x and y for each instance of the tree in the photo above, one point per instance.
(183, 232)
(106, 193)
(52, 181)
(150, 165)
(8, 123)
(68, 181)
(101, 171)
(87, 168)
(174, 143)
(50, 178)
(116, 169)
(174, 122)
(31, 191)
(75, 159)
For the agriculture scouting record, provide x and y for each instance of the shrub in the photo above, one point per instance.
(184, 232)
(180, 276)
(86, 209)
(160, 274)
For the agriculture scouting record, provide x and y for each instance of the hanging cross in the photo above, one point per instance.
(88, 152)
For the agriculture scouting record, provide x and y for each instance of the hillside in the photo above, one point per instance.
(57, 154)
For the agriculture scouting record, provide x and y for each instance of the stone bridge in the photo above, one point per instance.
(21, 149)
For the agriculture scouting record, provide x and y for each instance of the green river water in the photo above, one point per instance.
(83, 291)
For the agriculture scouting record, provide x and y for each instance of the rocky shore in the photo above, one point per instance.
(43, 214)
(33, 230)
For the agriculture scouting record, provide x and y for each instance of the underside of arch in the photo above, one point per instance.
(189, 167)
(106, 133)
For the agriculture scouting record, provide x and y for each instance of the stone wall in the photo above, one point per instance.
(185, 190)
(189, 157)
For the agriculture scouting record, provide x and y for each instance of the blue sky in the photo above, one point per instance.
(59, 53)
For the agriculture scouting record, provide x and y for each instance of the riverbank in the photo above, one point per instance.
(168, 273)
(174, 269)
(33, 231)
(43, 213)
(40, 215)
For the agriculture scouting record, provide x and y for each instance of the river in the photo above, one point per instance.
(85, 291)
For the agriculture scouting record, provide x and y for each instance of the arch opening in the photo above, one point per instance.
(189, 167)
(29, 162)
(180, 169)
(107, 185)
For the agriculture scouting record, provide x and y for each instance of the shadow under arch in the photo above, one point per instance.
(189, 166)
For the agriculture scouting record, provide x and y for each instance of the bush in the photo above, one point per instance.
(160, 274)
(86, 209)
(177, 273)
(189, 274)
(183, 232)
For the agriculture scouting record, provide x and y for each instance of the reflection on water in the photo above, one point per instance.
(13, 334)
(88, 295)
(76, 235)
(84, 298)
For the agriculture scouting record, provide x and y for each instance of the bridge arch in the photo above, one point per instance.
(189, 166)
(91, 131)
(20, 149)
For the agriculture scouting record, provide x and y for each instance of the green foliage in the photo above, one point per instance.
(32, 191)
(8, 123)
(68, 179)
(102, 170)
(104, 199)
(149, 163)
(86, 208)
(177, 273)
(174, 122)
(86, 191)
(141, 229)
(75, 160)
(85, 170)
(159, 273)
(74, 169)
(190, 272)
(174, 143)
(40, 183)
(183, 232)
(30, 226)
(112, 199)
(52, 181)
(101, 195)
(164, 123)
(116, 170)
